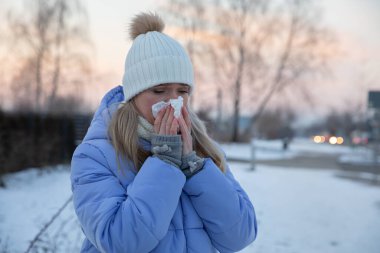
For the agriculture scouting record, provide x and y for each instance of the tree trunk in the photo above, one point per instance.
(39, 67)
(276, 83)
(57, 60)
(237, 92)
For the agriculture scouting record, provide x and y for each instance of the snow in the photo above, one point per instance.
(359, 156)
(310, 211)
(272, 150)
(244, 152)
(31, 198)
(298, 210)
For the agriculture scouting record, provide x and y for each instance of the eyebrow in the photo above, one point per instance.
(166, 84)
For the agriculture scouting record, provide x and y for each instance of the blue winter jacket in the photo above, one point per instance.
(156, 209)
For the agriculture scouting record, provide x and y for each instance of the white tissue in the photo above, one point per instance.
(175, 103)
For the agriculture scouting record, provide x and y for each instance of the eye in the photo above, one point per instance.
(158, 91)
(184, 91)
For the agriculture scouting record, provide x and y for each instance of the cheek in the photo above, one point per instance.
(185, 100)
(144, 106)
(148, 110)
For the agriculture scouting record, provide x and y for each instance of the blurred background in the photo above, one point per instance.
(290, 88)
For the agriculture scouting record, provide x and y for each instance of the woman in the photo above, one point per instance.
(146, 184)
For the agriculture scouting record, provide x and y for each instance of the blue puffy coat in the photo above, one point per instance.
(156, 209)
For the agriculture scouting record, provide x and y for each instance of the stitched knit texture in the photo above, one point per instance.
(154, 59)
(168, 148)
(191, 164)
(144, 129)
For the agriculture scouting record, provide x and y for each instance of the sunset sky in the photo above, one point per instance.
(355, 24)
(355, 71)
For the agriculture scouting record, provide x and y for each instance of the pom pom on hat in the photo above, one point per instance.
(145, 22)
(154, 58)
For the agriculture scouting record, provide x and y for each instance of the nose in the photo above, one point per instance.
(173, 94)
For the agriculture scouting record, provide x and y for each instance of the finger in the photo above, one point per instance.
(170, 120)
(164, 120)
(174, 127)
(183, 127)
(186, 116)
(158, 120)
(186, 136)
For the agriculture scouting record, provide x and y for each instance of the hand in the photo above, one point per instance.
(166, 143)
(185, 128)
(166, 123)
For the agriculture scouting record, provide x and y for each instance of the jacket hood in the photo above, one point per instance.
(108, 106)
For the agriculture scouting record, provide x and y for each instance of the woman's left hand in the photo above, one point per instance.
(185, 128)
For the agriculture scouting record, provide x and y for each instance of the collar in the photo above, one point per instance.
(144, 129)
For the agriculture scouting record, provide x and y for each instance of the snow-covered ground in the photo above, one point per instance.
(360, 156)
(311, 211)
(272, 150)
(30, 200)
(298, 210)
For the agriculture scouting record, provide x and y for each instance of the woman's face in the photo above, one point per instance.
(162, 92)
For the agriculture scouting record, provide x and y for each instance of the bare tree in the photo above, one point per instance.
(300, 54)
(49, 38)
(276, 124)
(260, 46)
(191, 23)
(242, 48)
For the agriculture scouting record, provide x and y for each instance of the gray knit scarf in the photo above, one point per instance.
(144, 129)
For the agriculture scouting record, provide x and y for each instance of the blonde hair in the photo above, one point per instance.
(123, 134)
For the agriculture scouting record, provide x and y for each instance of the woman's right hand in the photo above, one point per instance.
(166, 144)
(165, 122)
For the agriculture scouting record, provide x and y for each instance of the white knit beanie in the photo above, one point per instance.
(154, 58)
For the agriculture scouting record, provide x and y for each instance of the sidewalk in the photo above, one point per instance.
(305, 160)
(355, 172)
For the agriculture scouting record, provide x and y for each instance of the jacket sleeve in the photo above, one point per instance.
(116, 219)
(227, 213)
